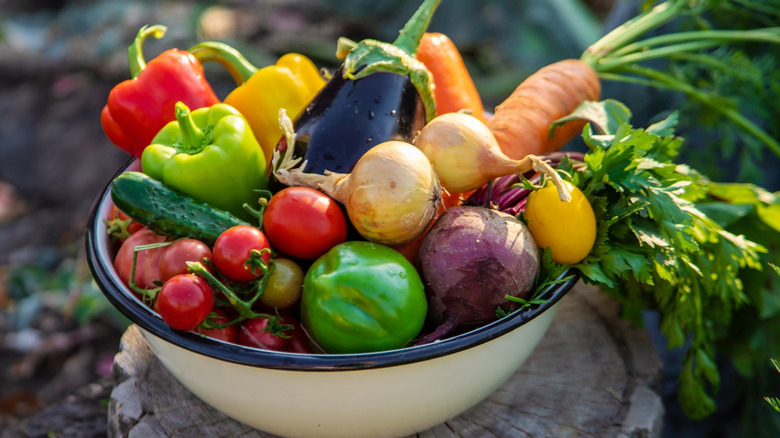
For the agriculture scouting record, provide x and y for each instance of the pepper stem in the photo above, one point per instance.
(193, 138)
(235, 63)
(409, 37)
(135, 56)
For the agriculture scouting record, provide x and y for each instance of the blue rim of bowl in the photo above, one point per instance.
(141, 315)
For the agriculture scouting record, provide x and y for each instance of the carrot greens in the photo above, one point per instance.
(622, 55)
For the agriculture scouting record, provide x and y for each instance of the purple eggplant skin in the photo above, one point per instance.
(348, 117)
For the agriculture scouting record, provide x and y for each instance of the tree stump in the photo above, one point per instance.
(593, 374)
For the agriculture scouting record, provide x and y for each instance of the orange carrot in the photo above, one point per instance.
(454, 88)
(521, 122)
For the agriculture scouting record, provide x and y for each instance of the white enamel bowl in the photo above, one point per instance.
(384, 394)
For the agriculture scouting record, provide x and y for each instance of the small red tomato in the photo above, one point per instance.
(258, 333)
(175, 257)
(233, 249)
(185, 301)
(227, 334)
(303, 222)
(147, 269)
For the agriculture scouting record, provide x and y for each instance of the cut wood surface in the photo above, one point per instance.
(592, 374)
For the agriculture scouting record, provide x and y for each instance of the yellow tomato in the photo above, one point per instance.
(567, 228)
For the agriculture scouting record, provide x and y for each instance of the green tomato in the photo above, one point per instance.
(285, 285)
(362, 297)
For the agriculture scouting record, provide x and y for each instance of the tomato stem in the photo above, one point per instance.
(151, 293)
(118, 228)
(276, 328)
(244, 308)
(257, 213)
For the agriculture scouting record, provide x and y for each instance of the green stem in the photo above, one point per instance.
(343, 46)
(767, 35)
(235, 63)
(632, 29)
(768, 13)
(192, 136)
(244, 308)
(705, 60)
(135, 56)
(656, 79)
(409, 37)
(255, 261)
(151, 293)
(257, 213)
(611, 64)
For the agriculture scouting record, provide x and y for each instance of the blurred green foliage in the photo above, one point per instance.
(59, 279)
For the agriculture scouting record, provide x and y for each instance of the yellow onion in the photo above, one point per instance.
(465, 153)
(391, 195)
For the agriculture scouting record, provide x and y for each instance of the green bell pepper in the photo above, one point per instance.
(362, 297)
(210, 154)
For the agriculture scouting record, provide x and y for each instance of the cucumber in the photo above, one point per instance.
(169, 211)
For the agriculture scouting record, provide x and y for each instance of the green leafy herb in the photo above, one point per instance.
(774, 402)
(549, 275)
(656, 249)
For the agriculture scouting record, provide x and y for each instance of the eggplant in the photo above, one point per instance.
(380, 93)
(347, 118)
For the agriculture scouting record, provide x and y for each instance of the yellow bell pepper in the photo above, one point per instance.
(291, 84)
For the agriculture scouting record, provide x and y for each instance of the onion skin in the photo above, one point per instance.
(464, 152)
(470, 260)
(391, 195)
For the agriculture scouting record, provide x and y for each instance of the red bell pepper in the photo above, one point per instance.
(138, 108)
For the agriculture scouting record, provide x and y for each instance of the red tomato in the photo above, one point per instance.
(227, 334)
(147, 269)
(185, 301)
(175, 257)
(256, 333)
(303, 222)
(233, 248)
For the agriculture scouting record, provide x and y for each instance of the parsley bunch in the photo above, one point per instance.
(655, 249)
